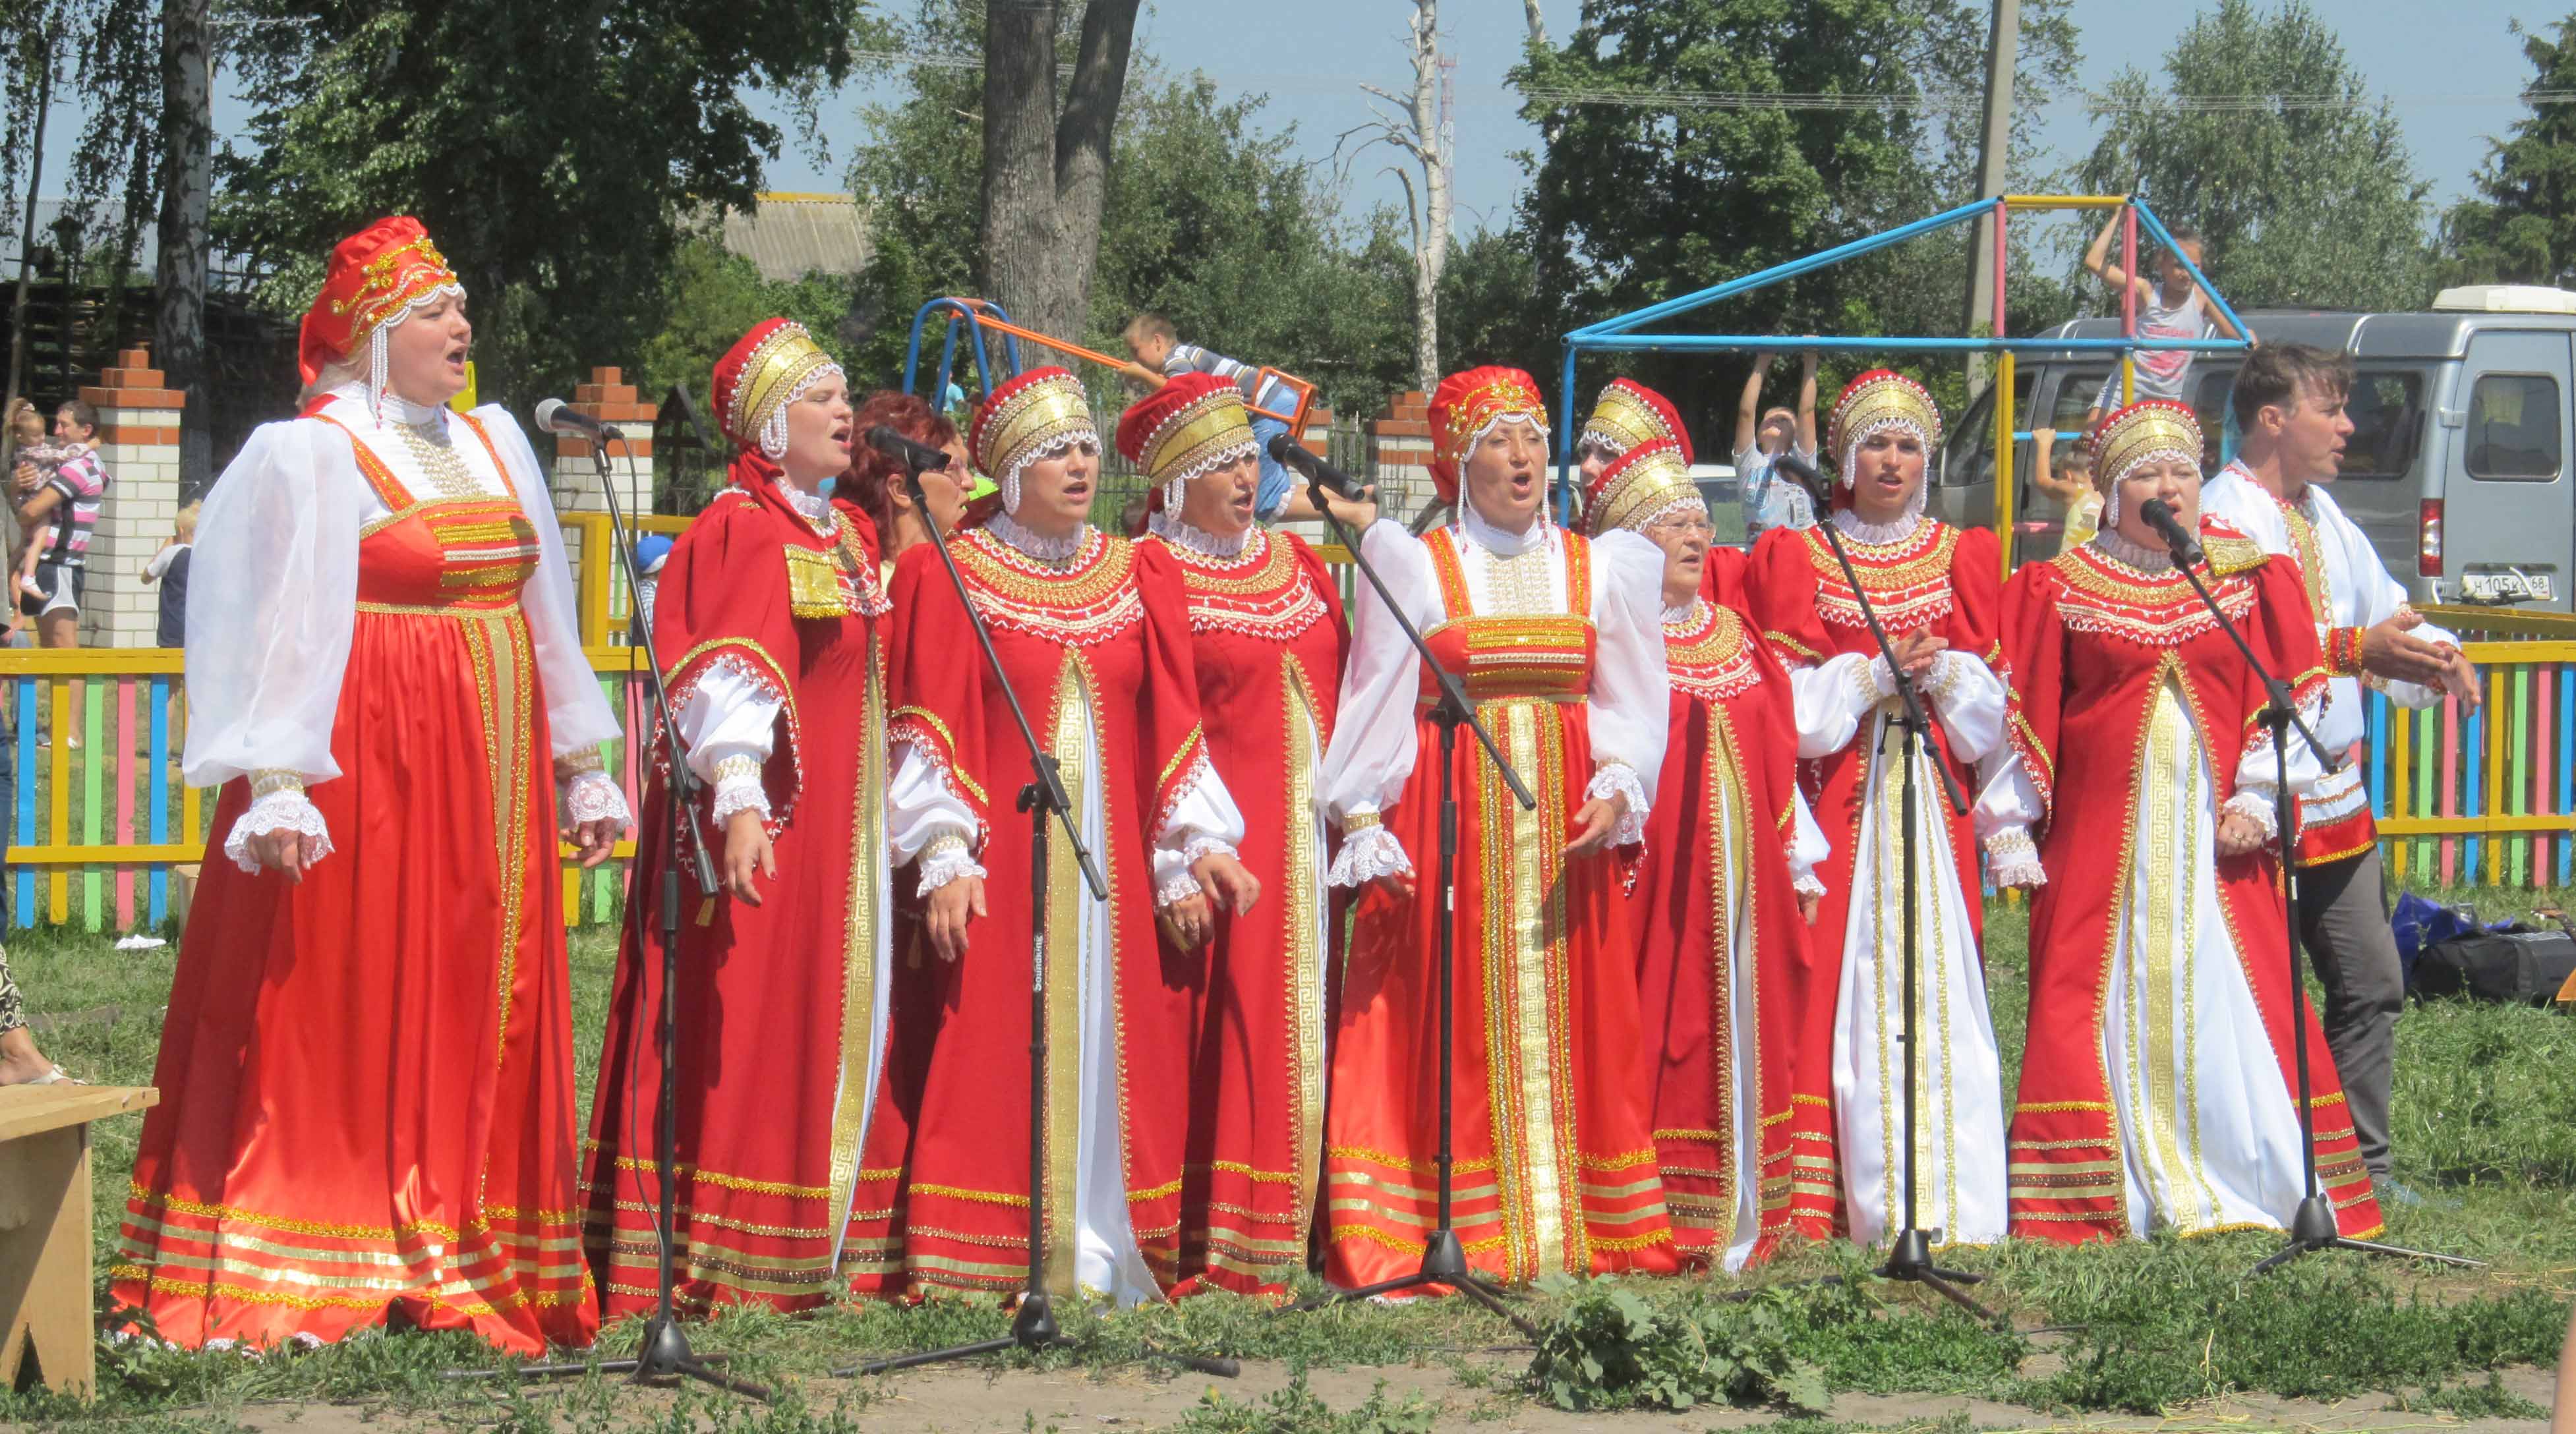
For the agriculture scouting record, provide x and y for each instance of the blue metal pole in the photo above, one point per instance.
(1566, 428)
(1778, 272)
(2156, 228)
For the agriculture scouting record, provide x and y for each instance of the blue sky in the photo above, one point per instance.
(1310, 57)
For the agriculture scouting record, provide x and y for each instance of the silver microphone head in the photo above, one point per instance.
(546, 411)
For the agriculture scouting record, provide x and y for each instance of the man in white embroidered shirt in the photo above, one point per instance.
(2289, 405)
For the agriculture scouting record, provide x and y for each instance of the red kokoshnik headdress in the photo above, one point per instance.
(2152, 430)
(765, 371)
(1874, 402)
(1192, 425)
(376, 278)
(1627, 414)
(1467, 407)
(1035, 416)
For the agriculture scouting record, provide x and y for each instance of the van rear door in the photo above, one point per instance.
(2508, 536)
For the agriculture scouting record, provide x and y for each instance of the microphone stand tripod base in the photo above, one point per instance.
(1444, 1265)
(2313, 1228)
(1909, 1259)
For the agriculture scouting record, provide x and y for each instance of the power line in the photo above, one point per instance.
(1947, 101)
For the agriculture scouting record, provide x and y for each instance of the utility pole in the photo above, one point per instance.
(1994, 153)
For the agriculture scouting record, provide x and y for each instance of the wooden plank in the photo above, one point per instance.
(33, 1109)
(2449, 772)
(2512, 771)
(23, 770)
(125, 775)
(2544, 743)
(2566, 740)
(2391, 801)
(82, 854)
(45, 1263)
(192, 821)
(59, 823)
(2488, 825)
(2493, 726)
(89, 661)
(157, 827)
(94, 763)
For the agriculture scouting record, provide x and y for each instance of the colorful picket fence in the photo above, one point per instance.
(2484, 797)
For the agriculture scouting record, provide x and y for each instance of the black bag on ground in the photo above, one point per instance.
(2526, 967)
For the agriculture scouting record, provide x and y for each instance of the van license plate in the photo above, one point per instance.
(2505, 587)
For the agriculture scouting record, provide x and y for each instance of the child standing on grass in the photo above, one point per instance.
(169, 568)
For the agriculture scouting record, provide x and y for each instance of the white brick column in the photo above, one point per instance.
(139, 443)
(608, 398)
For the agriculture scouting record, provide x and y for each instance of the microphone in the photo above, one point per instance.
(558, 417)
(2160, 516)
(919, 457)
(1787, 461)
(1287, 452)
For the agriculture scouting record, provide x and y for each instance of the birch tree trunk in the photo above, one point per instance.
(1431, 148)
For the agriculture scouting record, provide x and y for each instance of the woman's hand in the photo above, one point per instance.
(1808, 902)
(747, 854)
(1397, 884)
(1188, 922)
(950, 908)
(2238, 833)
(1915, 651)
(1357, 516)
(1225, 884)
(1593, 823)
(598, 837)
(280, 851)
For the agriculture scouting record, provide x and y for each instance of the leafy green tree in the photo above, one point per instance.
(2521, 226)
(2313, 205)
(1638, 197)
(552, 149)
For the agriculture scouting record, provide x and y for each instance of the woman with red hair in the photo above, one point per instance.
(1935, 589)
(768, 625)
(367, 1088)
(875, 483)
(1559, 642)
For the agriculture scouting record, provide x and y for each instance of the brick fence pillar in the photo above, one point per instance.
(1400, 449)
(611, 400)
(138, 440)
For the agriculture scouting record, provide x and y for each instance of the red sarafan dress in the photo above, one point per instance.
(2157, 1094)
(1556, 639)
(1922, 575)
(1743, 1130)
(1095, 642)
(767, 622)
(367, 1077)
(1268, 640)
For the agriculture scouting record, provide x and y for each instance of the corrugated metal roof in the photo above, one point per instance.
(792, 235)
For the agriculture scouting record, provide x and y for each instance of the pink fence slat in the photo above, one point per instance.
(124, 776)
(2544, 737)
(2448, 769)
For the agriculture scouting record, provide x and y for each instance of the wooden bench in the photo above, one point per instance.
(46, 1329)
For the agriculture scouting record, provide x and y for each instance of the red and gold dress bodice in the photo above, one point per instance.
(1709, 654)
(1908, 580)
(1526, 654)
(462, 549)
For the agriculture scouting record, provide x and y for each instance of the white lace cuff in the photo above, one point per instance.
(1181, 886)
(593, 796)
(1618, 779)
(2012, 858)
(1808, 884)
(739, 789)
(2255, 805)
(282, 808)
(944, 860)
(1368, 853)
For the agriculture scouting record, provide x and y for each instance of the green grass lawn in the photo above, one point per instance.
(2486, 1115)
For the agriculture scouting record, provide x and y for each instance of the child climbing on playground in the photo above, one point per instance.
(1155, 343)
(1770, 502)
(2174, 306)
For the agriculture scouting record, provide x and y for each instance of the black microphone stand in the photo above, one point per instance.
(1444, 1259)
(664, 1353)
(1909, 1255)
(1034, 1326)
(2312, 1227)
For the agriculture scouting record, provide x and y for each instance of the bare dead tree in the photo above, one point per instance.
(1537, 23)
(1418, 125)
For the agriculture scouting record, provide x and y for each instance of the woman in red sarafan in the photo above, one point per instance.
(768, 626)
(2158, 1092)
(1557, 641)
(1268, 639)
(1743, 1138)
(1093, 634)
(1935, 589)
(367, 1110)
